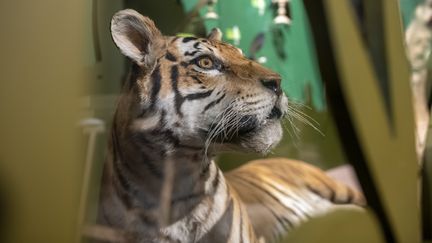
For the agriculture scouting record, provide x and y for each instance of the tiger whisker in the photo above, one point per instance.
(306, 120)
(296, 103)
(287, 125)
(297, 111)
(226, 125)
(295, 129)
(218, 128)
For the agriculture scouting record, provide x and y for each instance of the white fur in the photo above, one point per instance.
(126, 46)
(180, 230)
(144, 124)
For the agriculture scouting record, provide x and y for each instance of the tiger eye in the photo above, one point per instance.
(205, 62)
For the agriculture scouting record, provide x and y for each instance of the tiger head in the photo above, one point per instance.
(201, 91)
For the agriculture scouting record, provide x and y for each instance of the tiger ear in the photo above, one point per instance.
(215, 34)
(136, 36)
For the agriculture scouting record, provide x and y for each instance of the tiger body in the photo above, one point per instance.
(186, 99)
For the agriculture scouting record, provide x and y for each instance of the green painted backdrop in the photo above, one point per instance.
(286, 48)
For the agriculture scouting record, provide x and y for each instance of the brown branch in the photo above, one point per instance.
(166, 193)
(104, 233)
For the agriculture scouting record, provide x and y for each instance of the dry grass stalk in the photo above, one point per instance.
(104, 233)
(166, 193)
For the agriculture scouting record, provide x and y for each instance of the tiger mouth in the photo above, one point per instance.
(247, 125)
(243, 127)
(275, 113)
(250, 123)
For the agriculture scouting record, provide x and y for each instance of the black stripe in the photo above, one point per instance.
(169, 56)
(213, 103)
(230, 206)
(197, 96)
(206, 169)
(142, 144)
(350, 196)
(254, 102)
(150, 165)
(282, 192)
(189, 38)
(281, 219)
(196, 79)
(115, 153)
(216, 181)
(144, 159)
(174, 39)
(170, 136)
(166, 135)
(156, 81)
(191, 147)
(124, 183)
(268, 194)
(140, 139)
(241, 223)
(178, 98)
(162, 121)
(224, 223)
(135, 73)
(332, 197)
(187, 197)
(147, 219)
(187, 53)
(196, 45)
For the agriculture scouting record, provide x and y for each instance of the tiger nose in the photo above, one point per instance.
(273, 85)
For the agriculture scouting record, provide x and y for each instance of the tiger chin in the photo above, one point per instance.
(187, 99)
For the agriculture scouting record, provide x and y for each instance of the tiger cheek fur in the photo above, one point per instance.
(186, 99)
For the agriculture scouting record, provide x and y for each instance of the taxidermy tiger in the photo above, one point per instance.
(186, 99)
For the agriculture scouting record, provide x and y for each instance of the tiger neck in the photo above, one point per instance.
(137, 173)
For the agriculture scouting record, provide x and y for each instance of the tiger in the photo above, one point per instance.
(186, 100)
